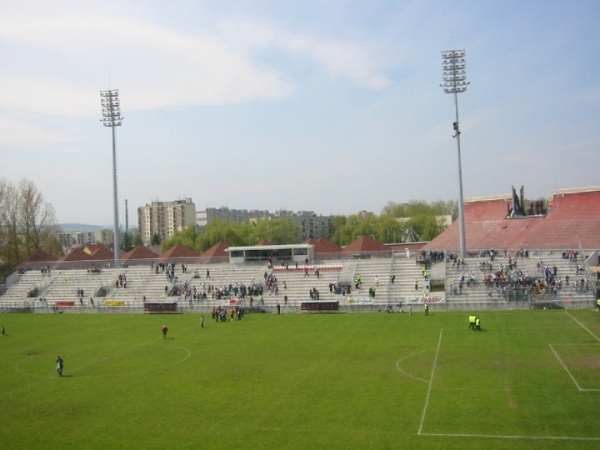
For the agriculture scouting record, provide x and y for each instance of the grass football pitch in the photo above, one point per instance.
(529, 379)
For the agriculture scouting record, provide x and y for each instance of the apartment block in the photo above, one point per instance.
(163, 219)
(313, 225)
(86, 237)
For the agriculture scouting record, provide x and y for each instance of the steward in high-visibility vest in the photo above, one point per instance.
(477, 324)
(472, 322)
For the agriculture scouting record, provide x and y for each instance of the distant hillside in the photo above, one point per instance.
(82, 227)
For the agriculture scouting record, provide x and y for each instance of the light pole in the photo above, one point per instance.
(111, 117)
(455, 81)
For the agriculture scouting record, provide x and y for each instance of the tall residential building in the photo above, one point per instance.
(313, 226)
(163, 219)
(229, 215)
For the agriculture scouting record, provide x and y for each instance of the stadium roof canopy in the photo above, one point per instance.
(571, 222)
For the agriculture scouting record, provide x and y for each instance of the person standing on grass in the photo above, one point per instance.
(164, 330)
(426, 306)
(477, 324)
(60, 364)
(3, 331)
(472, 322)
(202, 321)
(597, 302)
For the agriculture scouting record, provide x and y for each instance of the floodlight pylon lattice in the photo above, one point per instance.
(455, 82)
(111, 117)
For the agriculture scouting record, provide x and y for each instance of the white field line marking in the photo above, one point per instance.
(582, 326)
(116, 354)
(493, 436)
(563, 345)
(568, 371)
(437, 352)
(487, 436)
(565, 367)
(4, 394)
(408, 374)
(133, 348)
(152, 369)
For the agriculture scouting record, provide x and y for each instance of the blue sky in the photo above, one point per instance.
(332, 106)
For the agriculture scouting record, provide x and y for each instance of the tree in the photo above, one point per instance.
(36, 219)
(282, 230)
(127, 242)
(27, 223)
(222, 231)
(350, 228)
(137, 240)
(388, 230)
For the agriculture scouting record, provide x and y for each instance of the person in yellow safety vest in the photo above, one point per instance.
(598, 303)
(472, 322)
(477, 324)
(426, 306)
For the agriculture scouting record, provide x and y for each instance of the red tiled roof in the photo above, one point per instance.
(91, 248)
(179, 251)
(76, 255)
(39, 256)
(217, 251)
(322, 245)
(102, 253)
(140, 252)
(365, 244)
(155, 248)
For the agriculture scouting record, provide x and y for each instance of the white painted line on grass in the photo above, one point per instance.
(582, 326)
(437, 352)
(565, 367)
(131, 372)
(4, 394)
(408, 374)
(568, 371)
(493, 436)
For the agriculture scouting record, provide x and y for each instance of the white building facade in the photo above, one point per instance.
(163, 219)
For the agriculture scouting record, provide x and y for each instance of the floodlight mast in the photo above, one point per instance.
(111, 117)
(455, 82)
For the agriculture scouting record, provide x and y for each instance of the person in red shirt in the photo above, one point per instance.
(164, 330)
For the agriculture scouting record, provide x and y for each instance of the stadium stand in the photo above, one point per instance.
(535, 243)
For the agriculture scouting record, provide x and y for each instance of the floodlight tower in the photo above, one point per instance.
(455, 82)
(111, 117)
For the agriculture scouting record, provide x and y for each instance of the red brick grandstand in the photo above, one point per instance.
(572, 221)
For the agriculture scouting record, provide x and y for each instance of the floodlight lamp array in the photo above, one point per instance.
(455, 74)
(111, 109)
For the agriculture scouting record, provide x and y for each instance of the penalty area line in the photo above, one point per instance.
(582, 326)
(437, 352)
(565, 367)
